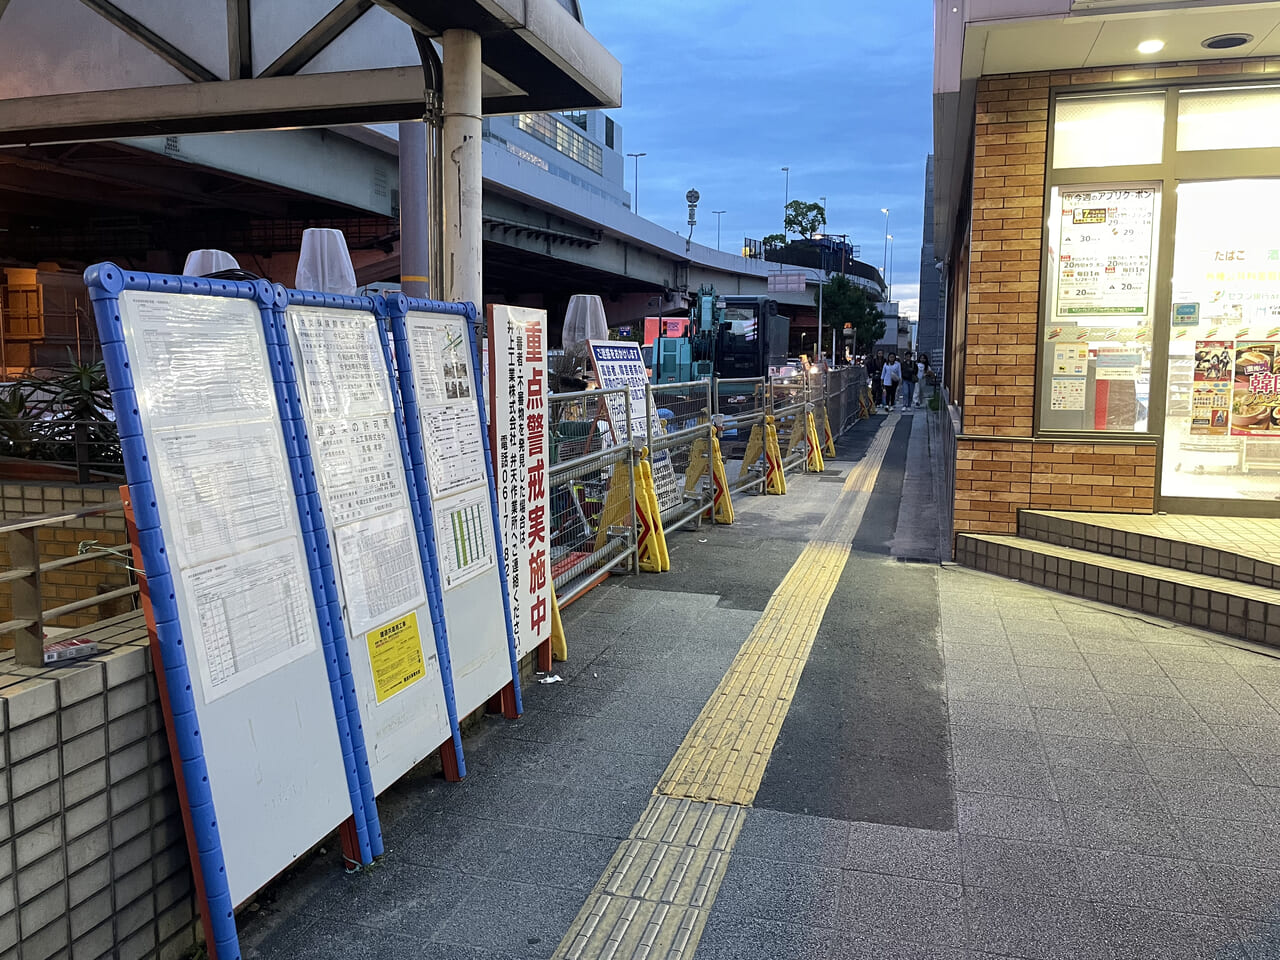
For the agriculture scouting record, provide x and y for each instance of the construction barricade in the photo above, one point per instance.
(678, 439)
(789, 407)
(740, 406)
(593, 488)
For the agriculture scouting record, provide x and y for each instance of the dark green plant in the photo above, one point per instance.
(844, 303)
(62, 416)
(805, 218)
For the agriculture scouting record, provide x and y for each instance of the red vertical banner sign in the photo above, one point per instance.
(520, 445)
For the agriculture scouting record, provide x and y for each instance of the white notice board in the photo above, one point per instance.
(521, 456)
(240, 577)
(345, 389)
(466, 548)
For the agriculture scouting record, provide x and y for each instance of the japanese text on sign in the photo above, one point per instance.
(1105, 252)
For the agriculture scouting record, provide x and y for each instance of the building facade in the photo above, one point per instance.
(1105, 188)
(929, 335)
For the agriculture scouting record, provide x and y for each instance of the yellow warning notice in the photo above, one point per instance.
(395, 653)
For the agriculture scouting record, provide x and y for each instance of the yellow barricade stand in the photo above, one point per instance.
(775, 478)
(814, 462)
(797, 433)
(651, 549)
(830, 447)
(755, 447)
(617, 503)
(559, 646)
(697, 465)
(722, 504)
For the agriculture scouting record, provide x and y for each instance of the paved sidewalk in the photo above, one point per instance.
(969, 768)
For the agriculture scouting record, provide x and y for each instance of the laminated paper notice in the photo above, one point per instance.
(1105, 253)
(201, 359)
(395, 654)
(380, 569)
(253, 615)
(1070, 359)
(342, 369)
(451, 437)
(360, 467)
(1067, 393)
(464, 536)
(227, 488)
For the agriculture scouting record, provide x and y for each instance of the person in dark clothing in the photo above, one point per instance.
(874, 367)
(908, 380)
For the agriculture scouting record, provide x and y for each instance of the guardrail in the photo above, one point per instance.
(25, 572)
(684, 412)
(741, 404)
(592, 490)
(90, 447)
(789, 406)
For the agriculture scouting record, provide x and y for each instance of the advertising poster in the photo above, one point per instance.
(1255, 401)
(521, 460)
(1105, 252)
(1068, 393)
(1211, 388)
(621, 364)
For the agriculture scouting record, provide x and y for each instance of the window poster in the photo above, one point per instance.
(1255, 401)
(1070, 360)
(1068, 393)
(1105, 252)
(1211, 388)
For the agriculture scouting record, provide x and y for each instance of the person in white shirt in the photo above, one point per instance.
(922, 370)
(891, 376)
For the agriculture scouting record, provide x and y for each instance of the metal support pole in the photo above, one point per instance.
(28, 641)
(821, 285)
(415, 211)
(463, 219)
(631, 462)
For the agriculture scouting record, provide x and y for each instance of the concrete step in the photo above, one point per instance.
(1225, 606)
(1217, 547)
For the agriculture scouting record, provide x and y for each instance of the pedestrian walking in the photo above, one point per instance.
(890, 377)
(909, 375)
(875, 366)
(923, 375)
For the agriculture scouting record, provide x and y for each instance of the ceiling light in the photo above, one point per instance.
(1227, 41)
(1151, 46)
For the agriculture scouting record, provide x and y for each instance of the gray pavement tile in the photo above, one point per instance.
(1006, 777)
(1016, 716)
(502, 798)
(1011, 817)
(335, 940)
(902, 908)
(1237, 714)
(548, 727)
(524, 760)
(1058, 679)
(1182, 733)
(570, 697)
(395, 896)
(1069, 723)
(1261, 940)
(977, 653)
(1216, 670)
(1110, 646)
(604, 810)
(1262, 769)
(1219, 691)
(641, 706)
(773, 835)
(1105, 788)
(1016, 866)
(1058, 658)
(998, 742)
(1152, 708)
(1035, 927)
(904, 852)
(1161, 883)
(1247, 893)
(1134, 934)
(447, 841)
(773, 890)
(1217, 798)
(1131, 831)
(1236, 842)
(1192, 763)
(1121, 756)
(1263, 739)
(982, 672)
(559, 858)
(1009, 692)
(1201, 652)
(1079, 699)
(858, 946)
(1123, 662)
(621, 768)
(523, 918)
(1138, 685)
(731, 937)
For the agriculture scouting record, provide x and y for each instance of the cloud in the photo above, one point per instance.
(722, 95)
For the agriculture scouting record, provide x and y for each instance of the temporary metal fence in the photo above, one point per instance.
(592, 489)
(789, 406)
(741, 405)
(840, 393)
(684, 418)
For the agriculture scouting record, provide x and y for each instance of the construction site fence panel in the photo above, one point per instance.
(680, 434)
(742, 404)
(789, 406)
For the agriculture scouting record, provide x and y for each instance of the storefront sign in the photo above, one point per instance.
(1105, 252)
(517, 336)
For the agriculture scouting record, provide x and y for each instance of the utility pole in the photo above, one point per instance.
(717, 213)
(785, 203)
(884, 264)
(636, 198)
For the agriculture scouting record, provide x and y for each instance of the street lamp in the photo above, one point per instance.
(884, 264)
(889, 279)
(822, 282)
(718, 213)
(785, 203)
(637, 179)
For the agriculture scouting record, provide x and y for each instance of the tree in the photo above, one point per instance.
(843, 303)
(774, 240)
(804, 218)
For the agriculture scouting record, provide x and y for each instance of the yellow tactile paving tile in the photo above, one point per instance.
(653, 899)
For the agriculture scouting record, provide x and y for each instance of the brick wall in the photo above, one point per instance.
(995, 477)
(93, 856)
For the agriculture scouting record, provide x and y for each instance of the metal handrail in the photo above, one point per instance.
(46, 519)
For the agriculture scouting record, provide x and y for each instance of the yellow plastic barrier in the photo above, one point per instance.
(755, 448)
(697, 465)
(814, 462)
(722, 503)
(559, 646)
(830, 447)
(775, 478)
(617, 504)
(797, 433)
(651, 549)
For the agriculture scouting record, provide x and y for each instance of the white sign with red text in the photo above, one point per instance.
(521, 459)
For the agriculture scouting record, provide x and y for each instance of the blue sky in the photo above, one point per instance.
(721, 95)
